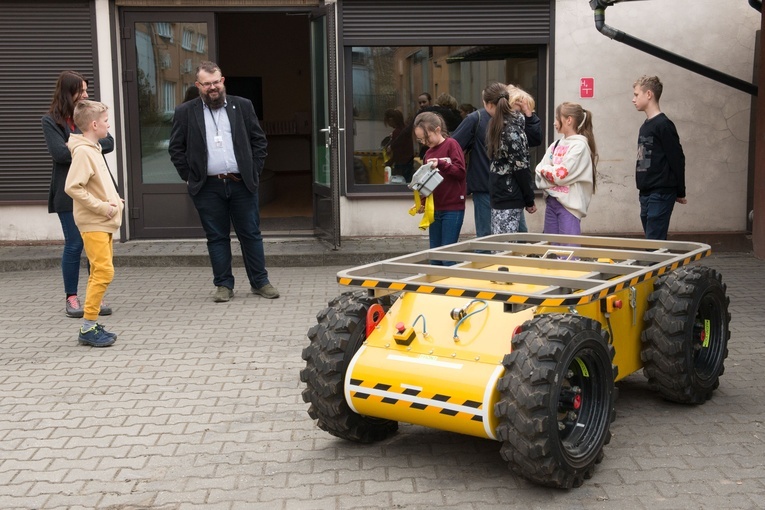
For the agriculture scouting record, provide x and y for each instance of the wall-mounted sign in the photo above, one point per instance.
(586, 87)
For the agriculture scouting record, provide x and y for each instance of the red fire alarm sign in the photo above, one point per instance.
(586, 87)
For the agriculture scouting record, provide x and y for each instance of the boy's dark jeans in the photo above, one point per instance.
(655, 212)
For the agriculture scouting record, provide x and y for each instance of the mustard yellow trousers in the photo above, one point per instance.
(100, 251)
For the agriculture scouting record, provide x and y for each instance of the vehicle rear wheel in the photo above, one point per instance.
(685, 341)
(340, 331)
(557, 400)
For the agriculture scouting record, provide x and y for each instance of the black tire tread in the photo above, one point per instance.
(665, 339)
(338, 334)
(526, 388)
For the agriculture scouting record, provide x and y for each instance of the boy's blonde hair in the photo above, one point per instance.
(652, 83)
(85, 112)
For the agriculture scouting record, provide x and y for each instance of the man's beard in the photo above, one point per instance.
(216, 103)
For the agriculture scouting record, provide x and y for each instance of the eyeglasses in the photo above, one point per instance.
(209, 84)
(423, 140)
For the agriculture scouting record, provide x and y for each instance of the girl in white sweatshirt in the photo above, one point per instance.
(566, 173)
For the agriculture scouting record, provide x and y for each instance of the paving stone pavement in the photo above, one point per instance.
(198, 406)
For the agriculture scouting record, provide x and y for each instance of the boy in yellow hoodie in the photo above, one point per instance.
(97, 212)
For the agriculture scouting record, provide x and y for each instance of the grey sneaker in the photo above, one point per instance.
(74, 307)
(105, 309)
(223, 294)
(268, 291)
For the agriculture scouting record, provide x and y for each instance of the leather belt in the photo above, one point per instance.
(233, 177)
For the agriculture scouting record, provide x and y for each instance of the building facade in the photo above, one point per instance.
(323, 74)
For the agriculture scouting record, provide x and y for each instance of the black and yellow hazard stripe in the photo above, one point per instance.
(413, 398)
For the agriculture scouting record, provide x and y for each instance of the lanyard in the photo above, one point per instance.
(215, 122)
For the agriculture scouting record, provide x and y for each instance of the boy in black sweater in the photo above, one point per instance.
(660, 169)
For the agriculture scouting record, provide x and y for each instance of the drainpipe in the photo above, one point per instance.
(599, 7)
(757, 4)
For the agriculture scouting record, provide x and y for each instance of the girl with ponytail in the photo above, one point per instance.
(510, 181)
(566, 173)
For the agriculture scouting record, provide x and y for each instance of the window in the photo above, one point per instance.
(168, 96)
(166, 61)
(201, 43)
(164, 30)
(385, 84)
(188, 36)
(187, 66)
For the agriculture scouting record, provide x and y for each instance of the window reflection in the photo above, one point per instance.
(388, 80)
(167, 56)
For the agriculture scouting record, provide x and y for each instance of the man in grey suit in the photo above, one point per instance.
(219, 149)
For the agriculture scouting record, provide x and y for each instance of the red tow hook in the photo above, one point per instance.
(374, 315)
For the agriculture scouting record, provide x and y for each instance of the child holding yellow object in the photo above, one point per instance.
(445, 154)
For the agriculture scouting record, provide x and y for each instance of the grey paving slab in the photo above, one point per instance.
(197, 406)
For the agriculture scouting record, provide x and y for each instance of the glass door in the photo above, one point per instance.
(162, 51)
(326, 197)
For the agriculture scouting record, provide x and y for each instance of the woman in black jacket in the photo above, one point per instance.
(57, 126)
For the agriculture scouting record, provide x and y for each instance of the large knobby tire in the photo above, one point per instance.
(685, 341)
(340, 331)
(557, 400)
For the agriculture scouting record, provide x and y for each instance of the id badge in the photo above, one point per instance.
(218, 141)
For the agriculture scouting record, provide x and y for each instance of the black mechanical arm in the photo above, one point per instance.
(599, 7)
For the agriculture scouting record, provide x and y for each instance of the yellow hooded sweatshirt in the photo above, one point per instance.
(91, 187)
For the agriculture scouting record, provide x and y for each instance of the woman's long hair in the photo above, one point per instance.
(503, 98)
(393, 118)
(68, 92)
(583, 122)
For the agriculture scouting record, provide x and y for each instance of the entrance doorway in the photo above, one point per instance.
(274, 50)
(265, 57)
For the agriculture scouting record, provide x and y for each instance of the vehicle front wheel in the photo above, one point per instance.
(340, 331)
(557, 400)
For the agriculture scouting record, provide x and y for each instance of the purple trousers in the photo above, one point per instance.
(558, 220)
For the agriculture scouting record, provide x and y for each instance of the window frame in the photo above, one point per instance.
(164, 30)
(187, 40)
(355, 190)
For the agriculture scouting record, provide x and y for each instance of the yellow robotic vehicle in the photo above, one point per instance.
(517, 338)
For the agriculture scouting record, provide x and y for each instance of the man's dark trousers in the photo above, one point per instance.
(220, 203)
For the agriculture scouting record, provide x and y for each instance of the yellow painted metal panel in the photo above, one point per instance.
(453, 395)
(484, 336)
(440, 380)
(624, 325)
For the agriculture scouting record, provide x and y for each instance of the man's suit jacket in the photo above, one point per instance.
(188, 143)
